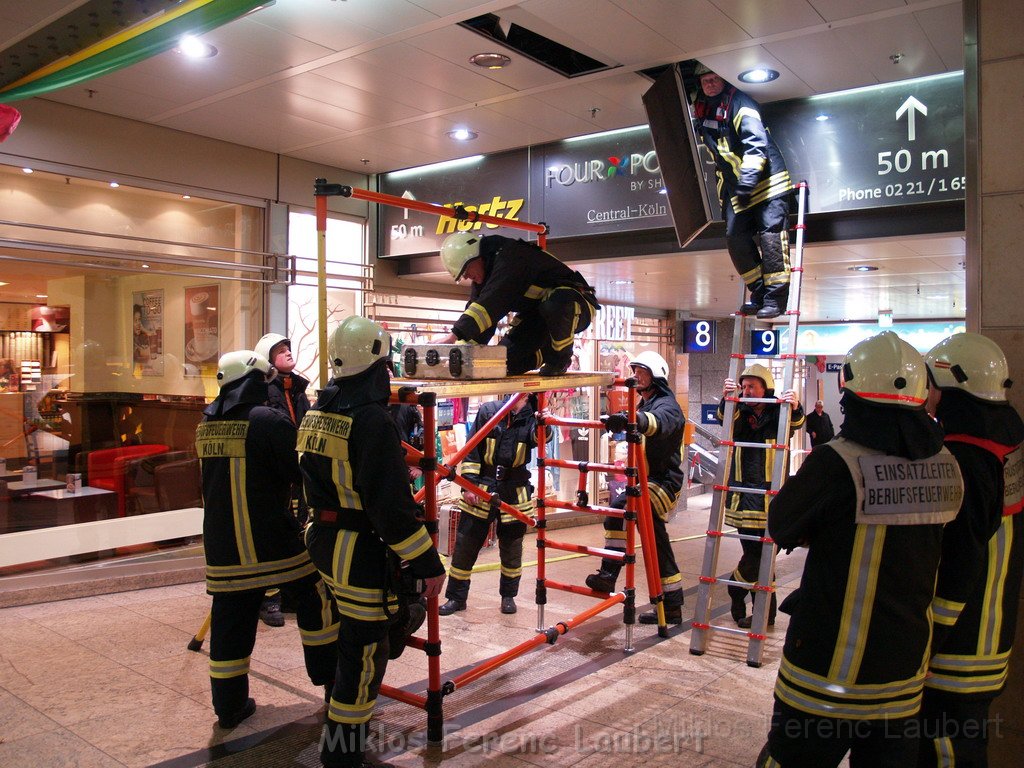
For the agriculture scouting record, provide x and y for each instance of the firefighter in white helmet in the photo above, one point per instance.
(288, 395)
(660, 420)
(364, 524)
(977, 593)
(752, 468)
(870, 507)
(552, 302)
(251, 537)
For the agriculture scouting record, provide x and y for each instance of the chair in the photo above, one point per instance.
(140, 480)
(107, 468)
(179, 485)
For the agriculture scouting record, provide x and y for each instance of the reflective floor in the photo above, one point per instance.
(108, 681)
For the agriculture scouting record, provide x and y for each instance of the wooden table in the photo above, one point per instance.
(51, 508)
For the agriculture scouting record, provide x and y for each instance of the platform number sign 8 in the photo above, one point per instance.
(764, 342)
(699, 336)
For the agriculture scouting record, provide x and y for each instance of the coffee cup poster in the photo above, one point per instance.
(202, 339)
(148, 333)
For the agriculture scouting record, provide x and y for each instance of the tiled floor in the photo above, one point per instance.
(108, 681)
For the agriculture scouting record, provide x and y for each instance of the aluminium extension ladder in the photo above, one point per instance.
(702, 628)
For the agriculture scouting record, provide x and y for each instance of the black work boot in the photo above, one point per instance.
(451, 607)
(232, 720)
(603, 580)
(673, 615)
(555, 368)
(775, 300)
(270, 611)
(756, 300)
(508, 605)
(747, 621)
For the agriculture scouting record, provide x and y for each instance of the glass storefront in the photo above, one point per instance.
(115, 304)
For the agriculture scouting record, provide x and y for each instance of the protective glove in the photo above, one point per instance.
(617, 422)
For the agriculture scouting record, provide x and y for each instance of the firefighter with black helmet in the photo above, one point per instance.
(752, 468)
(552, 302)
(870, 507)
(660, 420)
(977, 592)
(754, 188)
(363, 525)
(250, 537)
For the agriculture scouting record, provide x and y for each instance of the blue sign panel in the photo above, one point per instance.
(708, 414)
(698, 336)
(764, 342)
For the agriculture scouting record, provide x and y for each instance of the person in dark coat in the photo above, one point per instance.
(977, 594)
(288, 395)
(660, 419)
(819, 425)
(364, 525)
(754, 189)
(870, 507)
(250, 537)
(552, 302)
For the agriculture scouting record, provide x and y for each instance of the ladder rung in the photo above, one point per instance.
(744, 536)
(766, 446)
(743, 584)
(730, 630)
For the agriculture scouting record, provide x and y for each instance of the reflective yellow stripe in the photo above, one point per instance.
(744, 112)
(511, 573)
(255, 569)
(991, 624)
(652, 424)
(751, 275)
(222, 670)
(362, 612)
(858, 603)
(614, 535)
(247, 583)
(490, 446)
(351, 714)
(324, 636)
(478, 313)
(534, 292)
(412, 547)
(344, 547)
(459, 574)
(244, 542)
(668, 581)
(945, 612)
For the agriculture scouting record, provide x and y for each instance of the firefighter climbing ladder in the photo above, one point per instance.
(702, 628)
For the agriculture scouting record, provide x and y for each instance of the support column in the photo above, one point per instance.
(994, 115)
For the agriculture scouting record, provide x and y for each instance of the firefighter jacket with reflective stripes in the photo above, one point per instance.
(746, 158)
(355, 476)
(249, 464)
(978, 590)
(660, 420)
(506, 451)
(753, 467)
(517, 277)
(857, 643)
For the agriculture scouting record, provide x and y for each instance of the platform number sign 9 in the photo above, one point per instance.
(764, 342)
(699, 336)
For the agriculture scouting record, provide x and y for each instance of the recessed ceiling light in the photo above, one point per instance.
(462, 134)
(2, 283)
(863, 268)
(620, 282)
(40, 295)
(195, 48)
(186, 197)
(822, 118)
(759, 75)
(114, 184)
(490, 60)
(26, 170)
(145, 266)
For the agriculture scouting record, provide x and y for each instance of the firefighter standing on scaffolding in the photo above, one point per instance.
(364, 520)
(552, 302)
(498, 464)
(754, 189)
(753, 468)
(660, 420)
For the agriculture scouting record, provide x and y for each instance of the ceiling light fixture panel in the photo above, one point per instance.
(758, 75)
(490, 60)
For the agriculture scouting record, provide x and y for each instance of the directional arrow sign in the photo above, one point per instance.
(911, 106)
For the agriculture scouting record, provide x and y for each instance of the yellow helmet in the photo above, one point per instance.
(237, 365)
(971, 362)
(355, 345)
(886, 370)
(458, 250)
(759, 372)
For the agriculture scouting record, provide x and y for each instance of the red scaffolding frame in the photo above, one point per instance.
(425, 394)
